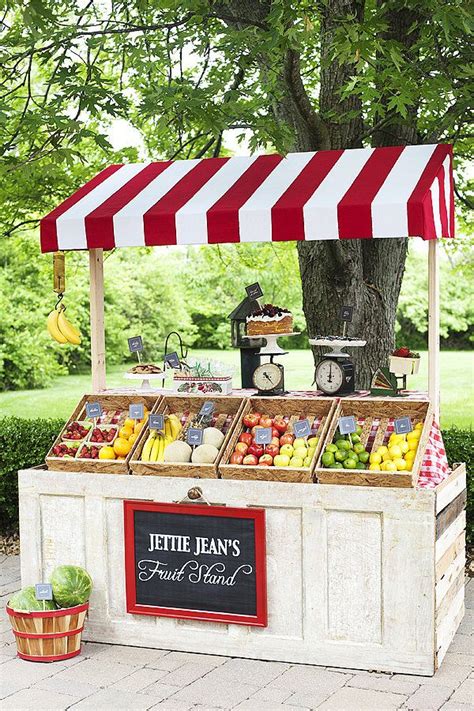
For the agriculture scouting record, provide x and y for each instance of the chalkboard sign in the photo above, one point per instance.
(136, 411)
(193, 561)
(347, 425)
(93, 409)
(263, 435)
(43, 591)
(301, 428)
(135, 344)
(254, 291)
(403, 425)
(172, 360)
(208, 408)
(156, 422)
(194, 436)
(346, 313)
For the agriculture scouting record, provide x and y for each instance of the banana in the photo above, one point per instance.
(175, 426)
(161, 451)
(147, 447)
(53, 328)
(69, 331)
(156, 449)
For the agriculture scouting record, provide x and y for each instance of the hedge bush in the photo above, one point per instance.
(25, 443)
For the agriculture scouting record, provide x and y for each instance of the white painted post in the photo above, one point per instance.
(96, 271)
(433, 326)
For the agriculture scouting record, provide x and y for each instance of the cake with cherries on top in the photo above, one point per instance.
(269, 319)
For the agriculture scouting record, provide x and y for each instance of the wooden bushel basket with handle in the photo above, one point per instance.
(48, 636)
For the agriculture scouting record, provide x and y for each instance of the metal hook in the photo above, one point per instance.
(60, 298)
(183, 353)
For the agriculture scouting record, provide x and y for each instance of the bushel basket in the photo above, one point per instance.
(48, 636)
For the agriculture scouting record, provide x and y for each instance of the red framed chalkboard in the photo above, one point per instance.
(196, 562)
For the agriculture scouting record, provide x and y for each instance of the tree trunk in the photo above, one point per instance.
(366, 274)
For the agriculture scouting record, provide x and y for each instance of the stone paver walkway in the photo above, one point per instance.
(115, 677)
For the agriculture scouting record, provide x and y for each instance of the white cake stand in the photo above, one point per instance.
(145, 378)
(271, 346)
(338, 345)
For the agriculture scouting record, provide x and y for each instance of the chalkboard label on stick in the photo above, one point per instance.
(194, 436)
(347, 425)
(194, 561)
(263, 435)
(93, 410)
(346, 313)
(156, 422)
(254, 291)
(208, 408)
(135, 344)
(172, 360)
(136, 411)
(43, 591)
(301, 428)
(403, 425)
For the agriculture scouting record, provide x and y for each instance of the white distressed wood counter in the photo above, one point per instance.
(358, 577)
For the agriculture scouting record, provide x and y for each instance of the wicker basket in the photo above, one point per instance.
(48, 636)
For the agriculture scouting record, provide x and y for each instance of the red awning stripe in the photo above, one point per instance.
(357, 193)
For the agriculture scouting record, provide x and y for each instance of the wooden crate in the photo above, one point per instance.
(318, 409)
(100, 466)
(186, 407)
(375, 416)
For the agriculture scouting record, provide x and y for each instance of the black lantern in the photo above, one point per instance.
(249, 348)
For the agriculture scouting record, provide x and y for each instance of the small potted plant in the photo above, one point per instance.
(403, 361)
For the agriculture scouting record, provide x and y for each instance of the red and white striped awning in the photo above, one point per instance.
(359, 193)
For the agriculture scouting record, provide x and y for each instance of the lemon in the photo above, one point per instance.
(400, 464)
(387, 457)
(413, 445)
(129, 423)
(375, 458)
(122, 447)
(409, 466)
(419, 426)
(375, 467)
(382, 450)
(383, 466)
(390, 467)
(404, 447)
(396, 438)
(395, 451)
(415, 434)
(125, 432)
(106, 453)
(132, 438)
(410, 455)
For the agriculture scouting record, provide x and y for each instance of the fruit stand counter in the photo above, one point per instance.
(359, 577)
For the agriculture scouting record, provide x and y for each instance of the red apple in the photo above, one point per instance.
(236, 458)
(272, 450)
(276, 440)
(287, 438)
(252, 419)
(266, 421)
(256, 449)
(280, 424)
(265, 460)
(246, 437)
(241, 447)
(250, 459)
(275, 432)
(254, 429)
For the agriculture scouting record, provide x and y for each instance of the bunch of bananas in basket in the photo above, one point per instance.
(154, 447)
(60, 329)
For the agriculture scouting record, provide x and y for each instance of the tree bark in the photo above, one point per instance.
(366, 274)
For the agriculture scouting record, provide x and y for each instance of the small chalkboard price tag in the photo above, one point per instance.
(346, 313)
(172, 360)
(93, 410)
(207, 409)
(254, 291)
(194, 561)
(301, 428)
(347, 425)
(44, 591)
(136, 411)
(403, 425)
(156, 422)
(194, 436)
(263, 435)
(135, 344)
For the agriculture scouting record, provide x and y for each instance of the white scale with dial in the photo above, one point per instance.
(269, 378)
(335, 372)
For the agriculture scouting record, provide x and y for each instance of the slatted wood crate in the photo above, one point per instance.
(109, 402)
(376, 417)
(227, 412)
(319, 413)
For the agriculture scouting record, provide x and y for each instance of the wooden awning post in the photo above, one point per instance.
(96, 271)
(433, 326)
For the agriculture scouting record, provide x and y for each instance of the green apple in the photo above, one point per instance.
(360, 465)
(296, 462)
(300, 452)
(307, 461)
(281, 460)
(331, 448)
(335, 466)
(343, 444)
(313, 442)
(359, 430)
(287, 449)
(299, 442)
(327, 459)
(355, 438)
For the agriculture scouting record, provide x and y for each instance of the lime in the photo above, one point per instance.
(358, 448)
(364, 457)
(327, 459)
(350, 463)
(360, 465)
(340, 455)
(335, 466)
(331, 448)
(343, 444)
(359, 430)
(355, 438)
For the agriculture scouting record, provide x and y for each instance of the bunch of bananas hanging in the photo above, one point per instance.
(60, 329)
(154, 447)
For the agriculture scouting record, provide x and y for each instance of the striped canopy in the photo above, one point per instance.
(360, 193)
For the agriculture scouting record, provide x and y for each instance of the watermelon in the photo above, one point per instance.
(72, 585)
(25, 601)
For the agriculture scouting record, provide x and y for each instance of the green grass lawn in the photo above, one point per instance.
(58, 400)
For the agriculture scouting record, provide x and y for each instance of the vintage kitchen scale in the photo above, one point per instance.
(335, 372)
(269, 378)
